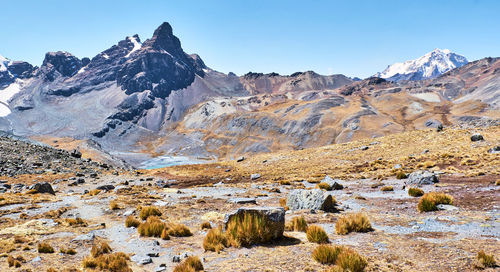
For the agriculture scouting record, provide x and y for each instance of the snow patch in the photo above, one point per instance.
(10, 91)
(137, 45)
(4, 62)
(4, 110)
(427, 97)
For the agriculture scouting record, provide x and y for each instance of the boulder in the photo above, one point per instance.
(314, 199)
(334, 183)
(107, 187)
(254, 176)
(243, 200)
(76, 154)
(141, 259)
(476, 137)
(422, 178)
(275, 216)
(42, 188)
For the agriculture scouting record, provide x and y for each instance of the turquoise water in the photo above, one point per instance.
(165, 161)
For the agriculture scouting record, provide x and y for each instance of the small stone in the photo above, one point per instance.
(240, 159)
(141, 259)
(364, 148)
(476, 137)
(243, 200)
(254, 176)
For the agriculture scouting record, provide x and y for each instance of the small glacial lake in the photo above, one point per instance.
(165, 161)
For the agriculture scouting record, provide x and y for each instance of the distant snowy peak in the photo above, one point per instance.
(4, 62)
(429, 65)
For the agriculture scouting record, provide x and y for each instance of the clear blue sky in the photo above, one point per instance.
(356, 38)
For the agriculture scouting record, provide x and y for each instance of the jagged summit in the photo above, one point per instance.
(430, 65)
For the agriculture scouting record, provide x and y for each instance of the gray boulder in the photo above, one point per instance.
(254, 176)
(314, 199)
(494, 150)
(141, 259)
(243, 200)
(476, 137)
(422, 178)
(42, 188)
(274, 215)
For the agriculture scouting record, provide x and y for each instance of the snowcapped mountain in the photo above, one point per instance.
(429, 65)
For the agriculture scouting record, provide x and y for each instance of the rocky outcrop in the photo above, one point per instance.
(422, 178)
(42, 188)
(314, 199)
(58, 64)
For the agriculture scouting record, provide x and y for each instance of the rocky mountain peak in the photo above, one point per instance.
(60, 63)
(164, 39)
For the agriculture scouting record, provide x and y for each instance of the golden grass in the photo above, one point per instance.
(298, 223)
(14, 262)
(164, 234)
(148, 211)
(316, 234)
(350, 260)
(132, 222)
(205, 225)
(353, 222)
(191, 263)
(179, 230)
(69, 251)
(387, 189)
(74, 222)
(415, 192)
(94, 192)
(115, 262)
(282, 203)
(429, 201)
(401, 175)
(153, 227)
(486, 260)
(324, 186)
(326, 254)
(100, 249)
(215, 240)
(113, 205)
(248, 229)
(45, 248)
(344, 258)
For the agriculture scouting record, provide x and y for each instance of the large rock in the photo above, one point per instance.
(422, 178)
(276, 217)
(314, 199)
(42, 188)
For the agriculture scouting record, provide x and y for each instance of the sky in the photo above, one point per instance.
(355, 38)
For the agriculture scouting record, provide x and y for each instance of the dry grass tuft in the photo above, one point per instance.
(326, 254)
(350, 260)
(14, 262)
(353, 222)
(116, 262)
(94, 192)
(45, 248)
(283, 203)
(344, 258)
(113, 205)
(179, 230)
(298, 223)
(190, 264)
(415, 192)
(316, 234)
(205, 225)
(153, 227)
(76, 222)
(429, 201)
(215, 240)
(387, 189)
(149, 211)
(248, 229)
(68, 251)
(132, 222)
(324, 186)
(100, 249)
(401, 175)
(164, 234)
(485, 260)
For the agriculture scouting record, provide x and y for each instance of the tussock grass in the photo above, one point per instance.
(179, 230)
(69, 251)
(316, 234)
(100, 249)
(115, 262)
(164, 234)
(248, 229)
(113, 205)
(215, 240)
(326, 254)
(429, 201)
(149, 211)
(387, 189)
(190, 264)
(94, 192)
(14, 262)
(45, 248)
(485, 260)
(89, 262)
(76, 222)
(298, 223)
(415, 192)
(205, 225)
(153, 227)
(283, 203)
(344, 258)
(353, 222)
(132, 222)
(324, 186)
(401, 175)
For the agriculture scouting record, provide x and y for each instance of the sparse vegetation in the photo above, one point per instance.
(100, 249)
(415, 192)
(132, 222)
(387, 189)
(113, 205)
(350, 260)
(76, 222)
(45, 248)
(115, 262)
(153, 227)
(326, 254)
(149, 211)
(429, 201)
(298, 223)
(344, 258)
(324, 186)
(283, 203)
(205, 225)
(68, 251)
(485, 260)
(179, 230)
(190, 264)
(94, 192)
(215, 240)
(316, 234)
(353, 222)
(248, 229)
(401, 175)
(14, 262)
(164, 234)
